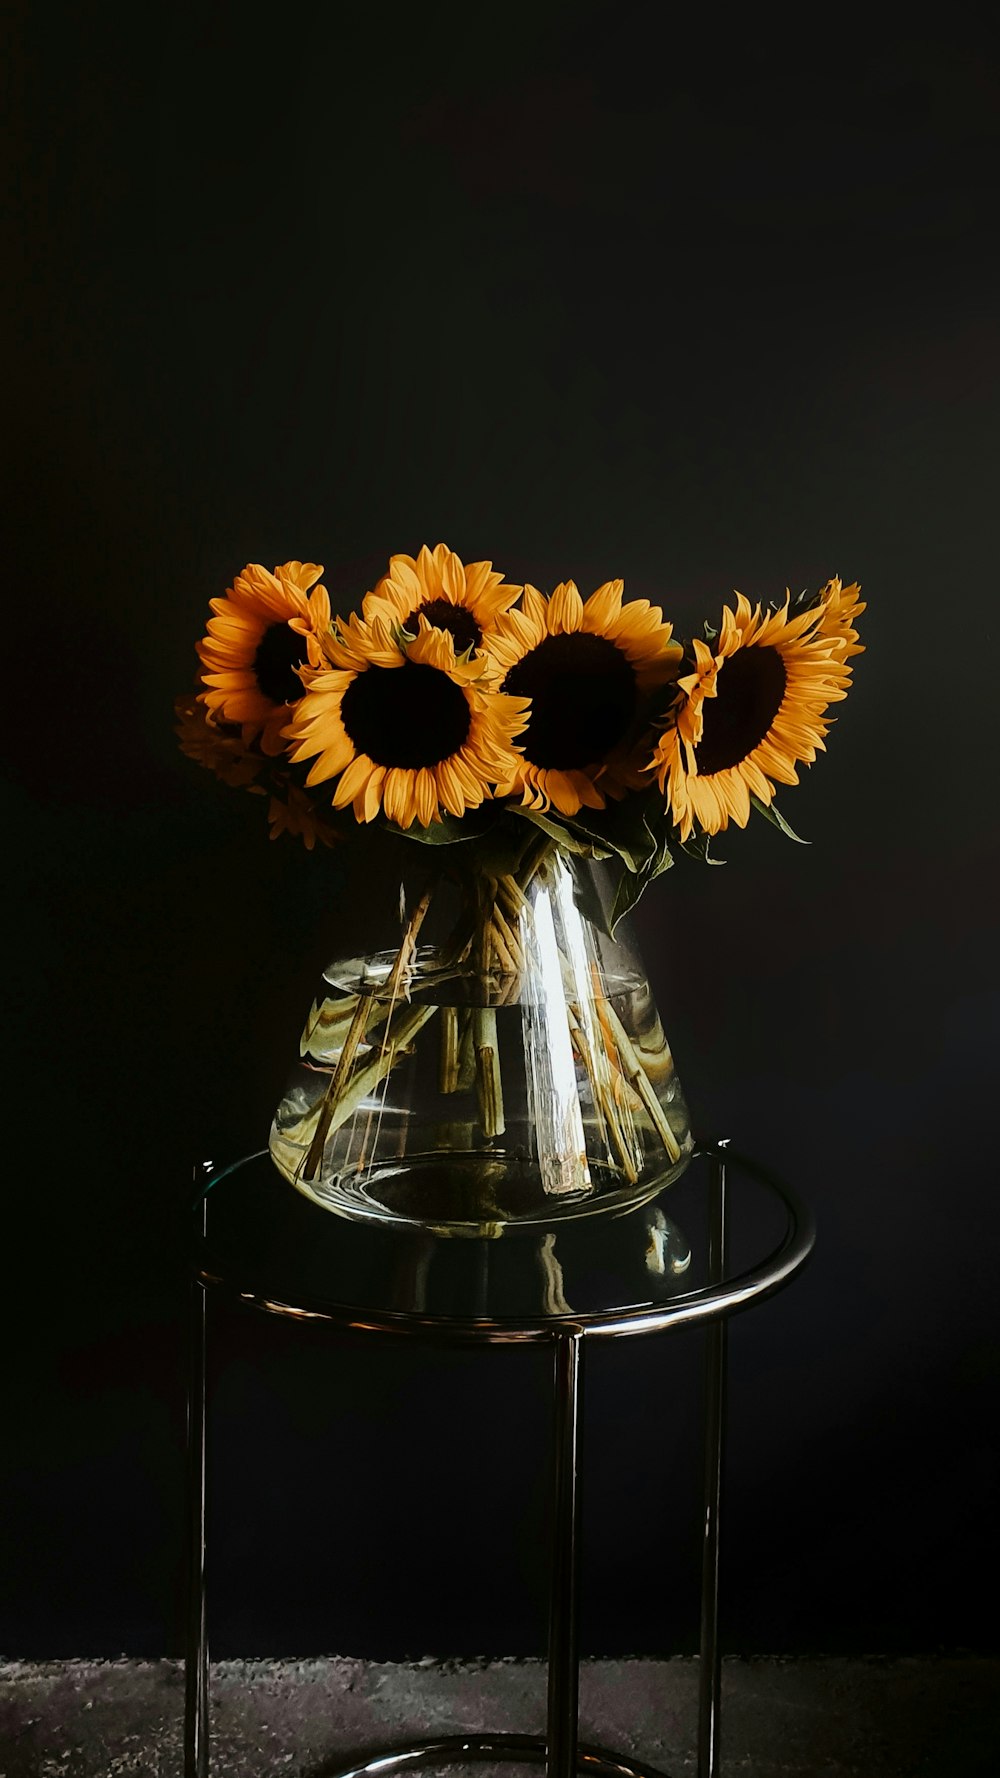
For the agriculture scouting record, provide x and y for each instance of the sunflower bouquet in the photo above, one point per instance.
(524, 738)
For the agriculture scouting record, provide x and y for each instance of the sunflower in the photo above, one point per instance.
(293, 812)
(839, 605)
(748, 714)
(464, 600)
(219, 747)
(266, 627)
(404, 723)
(586, 668)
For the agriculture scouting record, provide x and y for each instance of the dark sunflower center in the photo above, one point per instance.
(583, 699)
(455, 619)
(279, 651)
(751, 686)
(407, 716)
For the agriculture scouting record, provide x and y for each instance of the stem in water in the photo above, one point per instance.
(448, 1080)
(488, 1081)
(636, 1075)
(369, 1005)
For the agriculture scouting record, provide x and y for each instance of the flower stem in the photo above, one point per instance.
(635, 1073)
(448, 1073)
(488, 1080)
(398, 1035)
(535, 858)
(600, 1072)
(368, 1005)
(466, 1056)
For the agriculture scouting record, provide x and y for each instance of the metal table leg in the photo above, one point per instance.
(564, 1673)
(710, 1665)
(196, 1664)
(561, 1752)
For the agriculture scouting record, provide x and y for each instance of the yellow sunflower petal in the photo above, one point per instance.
(565, 614)
(397, 796)
(372, 794)
(603, 608)
(299, 575)
(449, 786)
(352, 781)
(839, 607)
(432, 647)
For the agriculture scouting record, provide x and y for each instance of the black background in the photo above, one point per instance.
(591, 294)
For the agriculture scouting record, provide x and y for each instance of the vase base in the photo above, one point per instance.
(475, 1195)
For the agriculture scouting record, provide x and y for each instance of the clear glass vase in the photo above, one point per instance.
(496, 1061)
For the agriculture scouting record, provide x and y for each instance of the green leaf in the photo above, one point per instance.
(634, 827)
(565, 834)
(625, 887)
(697, 847)
(499, 851)
(631, 842)
(777, 820)
(804, 600)
(632, 833)
(449, 830)
(632, 884)
(587, 896)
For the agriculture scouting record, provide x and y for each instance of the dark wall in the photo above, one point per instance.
(704, 311)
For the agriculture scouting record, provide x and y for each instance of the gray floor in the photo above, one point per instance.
(303, 1719)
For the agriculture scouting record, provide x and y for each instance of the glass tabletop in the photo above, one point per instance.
(627, 1272)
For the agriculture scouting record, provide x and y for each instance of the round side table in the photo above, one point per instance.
(258, 1242)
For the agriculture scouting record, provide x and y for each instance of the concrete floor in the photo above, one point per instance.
(304, 1719)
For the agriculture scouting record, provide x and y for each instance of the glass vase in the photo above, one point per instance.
(494, 1061)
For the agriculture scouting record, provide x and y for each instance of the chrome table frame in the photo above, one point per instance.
(560, 1751)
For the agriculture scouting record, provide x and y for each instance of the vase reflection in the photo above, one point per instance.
(647, 1243)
